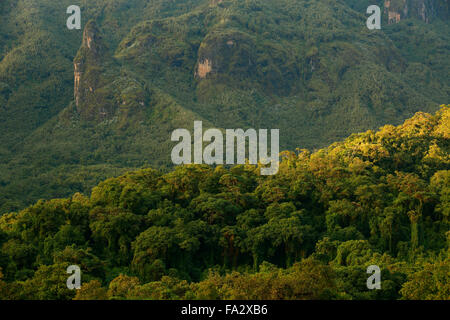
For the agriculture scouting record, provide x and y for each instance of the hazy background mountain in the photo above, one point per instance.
(77, 106)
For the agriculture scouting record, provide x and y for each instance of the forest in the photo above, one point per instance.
(200, 232)
(310, 68)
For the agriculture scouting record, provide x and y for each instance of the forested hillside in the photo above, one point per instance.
(80, 106)
(309, 232)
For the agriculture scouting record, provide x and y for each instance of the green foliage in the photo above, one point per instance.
(428, 283)
(309, 68)
(309, 232)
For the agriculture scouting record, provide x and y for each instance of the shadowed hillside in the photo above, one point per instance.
(74, 111)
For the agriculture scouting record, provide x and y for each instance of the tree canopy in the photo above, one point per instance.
(310, 232)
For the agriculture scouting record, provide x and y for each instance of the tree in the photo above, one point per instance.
(431, 283)
(155, 245)
(121, 286)
(113, 231)
(48, 283)
(92, 290)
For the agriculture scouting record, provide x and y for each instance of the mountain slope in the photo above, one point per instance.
(309, 68)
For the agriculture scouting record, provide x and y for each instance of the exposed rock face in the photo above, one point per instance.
(395, 12)
(236, 59)
(92, 39)
(88, 68)
(101, 91)
(204, 68)
(230, 53)
(425, 10)
(77, 80)
(215, 2)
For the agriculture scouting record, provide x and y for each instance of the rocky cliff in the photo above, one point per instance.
(90, 65)
(101, 90)
(425, 10)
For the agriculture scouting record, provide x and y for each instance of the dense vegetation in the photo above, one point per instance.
(377, 198)
(310, 68)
